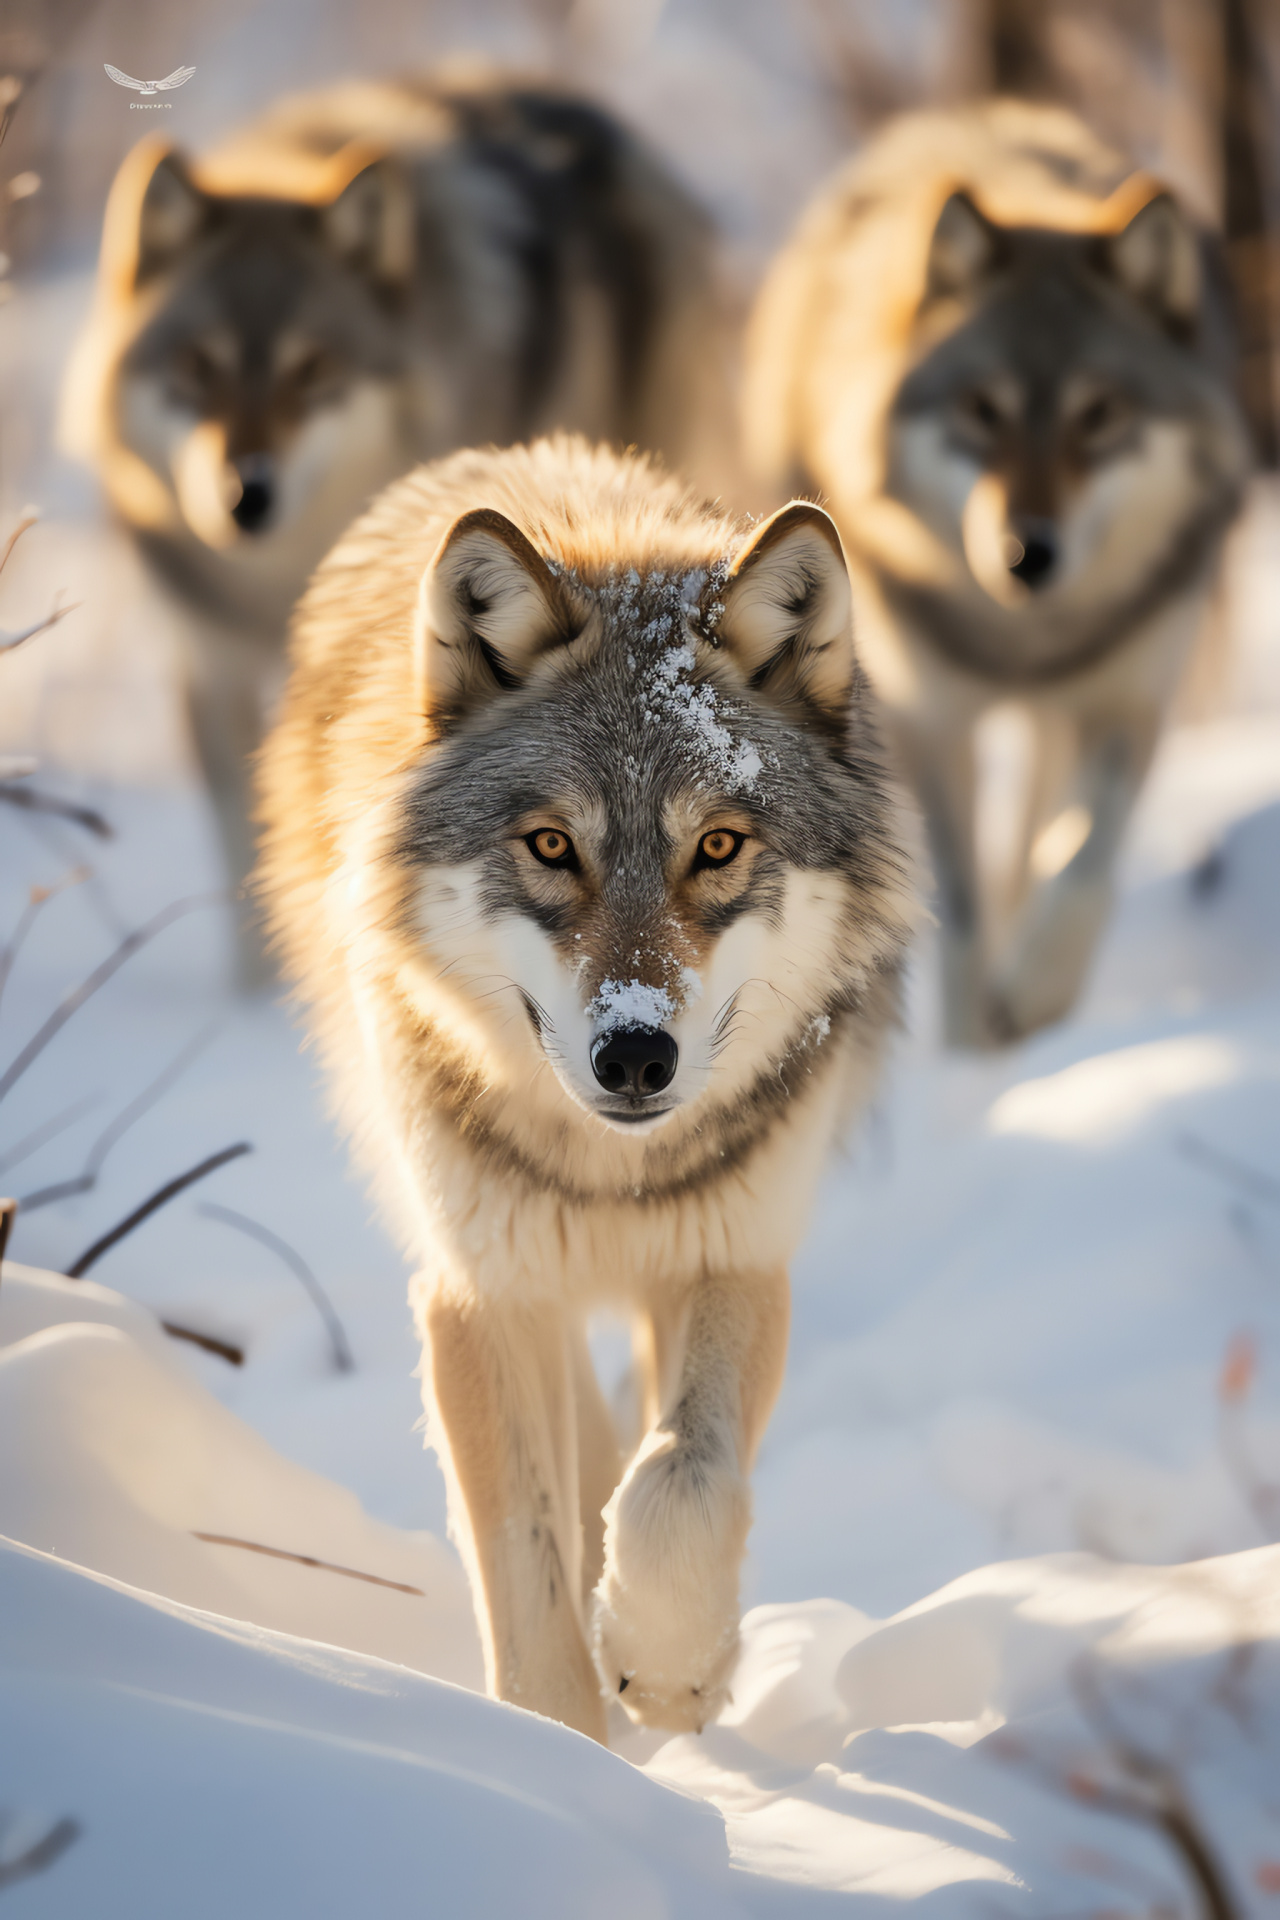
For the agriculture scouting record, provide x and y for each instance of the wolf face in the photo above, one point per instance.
(1062, 437)
(631, 832)
(267, 349)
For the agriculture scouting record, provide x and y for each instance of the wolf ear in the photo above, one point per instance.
(488, 606)
(368, 223)
(1156, 258)
(965, 247)
(154, 213)
(787, 616)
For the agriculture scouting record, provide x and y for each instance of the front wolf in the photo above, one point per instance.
(578, 846)
(367, 278)
(1001, 360)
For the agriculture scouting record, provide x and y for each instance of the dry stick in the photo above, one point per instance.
(343, 1357)
(308, 1560)
(1259, 1186)
(158, 1199)
(99, 978)
(224, 1349)
(32, 800)
(47, 1130)
(39, 898)
(128, 1117)
(43, 1854)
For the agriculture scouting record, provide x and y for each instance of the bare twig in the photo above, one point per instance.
(26, 520)
(48, 1130)
(308, 1560)
(343, 1358)
(9, 642)
(224, 1349)
(32, 801)
(43, 1854)
(1238, 1173)
(128, 1117)
(99, 978)
(161, 1197)
(1150, 1790)
(39, 898)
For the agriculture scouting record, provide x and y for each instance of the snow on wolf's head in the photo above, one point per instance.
(649, 840)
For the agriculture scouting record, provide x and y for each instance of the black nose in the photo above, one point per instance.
(635, 1060)
(1039, 555)
(252, 510)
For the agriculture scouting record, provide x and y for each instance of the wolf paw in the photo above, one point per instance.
(665, 1615)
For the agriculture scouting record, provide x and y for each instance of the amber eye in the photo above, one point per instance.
(553, 848)
(718, 848)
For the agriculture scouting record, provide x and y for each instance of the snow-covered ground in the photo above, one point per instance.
(1035, 1368)
(1012, 1515)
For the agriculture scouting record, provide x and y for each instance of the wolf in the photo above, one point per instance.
(578, 845)
(1003, 359)
(370, 276)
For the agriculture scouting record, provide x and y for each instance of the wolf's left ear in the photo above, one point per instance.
(1156, 258)
(488, 607)
(965, 247)
(788, 618)
(369, 221)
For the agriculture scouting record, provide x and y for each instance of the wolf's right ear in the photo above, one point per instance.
(488, 607)
(369, 220)
(154, 213)
(965, 247)
(787, 613)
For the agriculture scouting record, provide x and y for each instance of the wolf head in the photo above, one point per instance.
(649, 848)
(257, 341)
(1061, 425)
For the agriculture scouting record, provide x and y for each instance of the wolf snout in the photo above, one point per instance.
(635, 1060)
(252, 511)
(1032, 551)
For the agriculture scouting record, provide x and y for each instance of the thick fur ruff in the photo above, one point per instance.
(1001, 357)
(568, 754)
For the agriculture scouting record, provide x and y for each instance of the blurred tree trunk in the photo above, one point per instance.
(1246, 225)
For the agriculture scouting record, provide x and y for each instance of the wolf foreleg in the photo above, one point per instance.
(1041, 973)
(665, 1624)
(501, 1380)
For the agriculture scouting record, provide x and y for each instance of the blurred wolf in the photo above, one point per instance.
(366, 278)
(1002, 359)
(578, 845)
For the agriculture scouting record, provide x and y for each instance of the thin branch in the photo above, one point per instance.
(38, 899)
(210, 1343)
(99, 978)
(128, 1117)
(10, 642)
(308, 1560)
(343, 1358)
(43, 1854)
(1259, 1186)
(33, 801)
(48, 1130)
(161, 1197)
(26, 520)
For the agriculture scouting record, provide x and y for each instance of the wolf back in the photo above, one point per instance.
(365, 278)
(1005, 360)
(579, 847)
